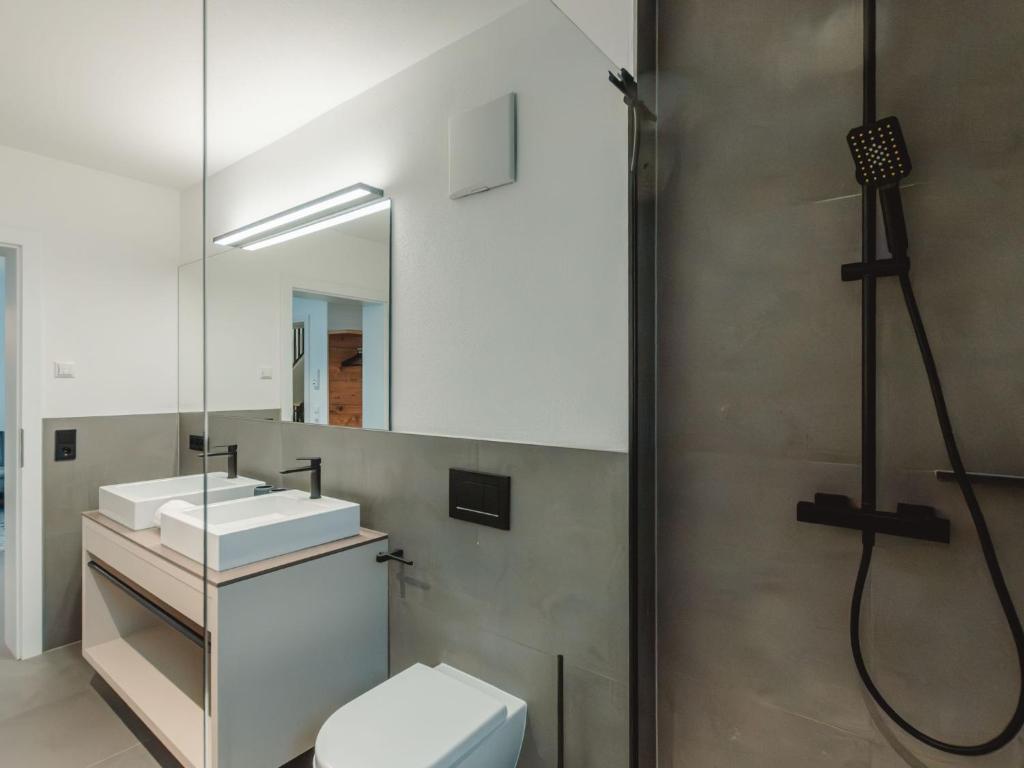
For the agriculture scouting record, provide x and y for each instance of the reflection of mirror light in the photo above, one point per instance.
(316, 226)
(344, 199)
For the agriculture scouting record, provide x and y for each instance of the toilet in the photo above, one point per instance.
(425, 718)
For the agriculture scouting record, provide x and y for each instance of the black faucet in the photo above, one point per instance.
(314, 474)
(231, 451)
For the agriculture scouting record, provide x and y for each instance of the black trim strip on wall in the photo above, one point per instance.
(642, 406)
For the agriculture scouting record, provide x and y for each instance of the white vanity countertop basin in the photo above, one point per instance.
(248, 530)
(134, 504)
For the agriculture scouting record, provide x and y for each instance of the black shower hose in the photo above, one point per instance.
(987, 548)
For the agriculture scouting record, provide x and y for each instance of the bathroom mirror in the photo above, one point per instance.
(493, 129)
(299, 329)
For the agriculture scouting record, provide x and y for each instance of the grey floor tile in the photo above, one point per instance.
(75, 732)
(46, 679)
(140, 756)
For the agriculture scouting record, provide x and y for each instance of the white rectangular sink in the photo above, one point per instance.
(249, 530)
(134, 504)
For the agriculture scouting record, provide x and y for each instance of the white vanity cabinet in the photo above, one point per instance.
(291, 639)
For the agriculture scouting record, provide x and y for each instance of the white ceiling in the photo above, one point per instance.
(117, 84)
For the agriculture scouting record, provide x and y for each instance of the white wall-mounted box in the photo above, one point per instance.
(482, 147)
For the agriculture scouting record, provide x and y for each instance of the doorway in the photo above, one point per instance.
(9, 449)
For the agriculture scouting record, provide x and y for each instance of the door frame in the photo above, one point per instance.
(23, 561)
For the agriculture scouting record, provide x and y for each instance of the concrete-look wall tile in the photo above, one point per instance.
(111, 449)
(894, 749)
(62, 588)
(939, 637)
(429, 637)
(189, 462)
(759, 377)
(558, 580)
(711, 727)
(498, 604)
(596, 720)
(259, 446)
(748, 599)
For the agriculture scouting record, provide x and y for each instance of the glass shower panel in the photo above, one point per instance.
(101, 113)
(416, 228)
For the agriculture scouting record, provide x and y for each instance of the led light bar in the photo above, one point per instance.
(319, 224)
(301, 216)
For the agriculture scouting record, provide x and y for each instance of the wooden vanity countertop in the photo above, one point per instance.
(149, 540)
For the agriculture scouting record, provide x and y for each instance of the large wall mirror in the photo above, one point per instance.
(299, 318)
(494, 132)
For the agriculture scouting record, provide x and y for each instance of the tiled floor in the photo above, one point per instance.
(55, 713)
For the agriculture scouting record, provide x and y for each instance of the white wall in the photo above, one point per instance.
(96, 286)
(343, 315)
(376, 359)
(312, 312)
(510, 307)
(610, 24)
(107, 292)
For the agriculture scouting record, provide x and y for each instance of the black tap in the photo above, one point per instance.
(314, 474)
(231, 451)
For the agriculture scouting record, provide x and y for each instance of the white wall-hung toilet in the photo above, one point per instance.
(425, 718)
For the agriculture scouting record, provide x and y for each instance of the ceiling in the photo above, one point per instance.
(116, 85)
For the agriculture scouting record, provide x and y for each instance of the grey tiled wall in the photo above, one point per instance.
(759, 368)
(111, 449)
(498, 604)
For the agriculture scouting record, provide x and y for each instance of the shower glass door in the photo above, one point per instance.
(415, 227)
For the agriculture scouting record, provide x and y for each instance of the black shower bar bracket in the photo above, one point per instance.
(858, 270)
(627, 86)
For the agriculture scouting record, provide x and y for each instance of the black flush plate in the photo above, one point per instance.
(479, 498)
(65, 445)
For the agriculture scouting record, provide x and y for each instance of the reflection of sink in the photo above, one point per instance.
(133, 504)
(247, 530)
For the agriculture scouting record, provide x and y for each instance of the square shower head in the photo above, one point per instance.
(879, 153)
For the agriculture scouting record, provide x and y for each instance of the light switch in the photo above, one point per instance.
(63, 370)
(266, 372)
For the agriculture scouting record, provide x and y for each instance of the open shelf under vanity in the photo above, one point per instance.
(271, 688)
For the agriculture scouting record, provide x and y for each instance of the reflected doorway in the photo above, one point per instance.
(339, 361)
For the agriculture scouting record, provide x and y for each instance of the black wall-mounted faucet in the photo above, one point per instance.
(231, 451)
(314, 474)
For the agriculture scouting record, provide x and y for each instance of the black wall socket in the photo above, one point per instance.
(65, 445)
